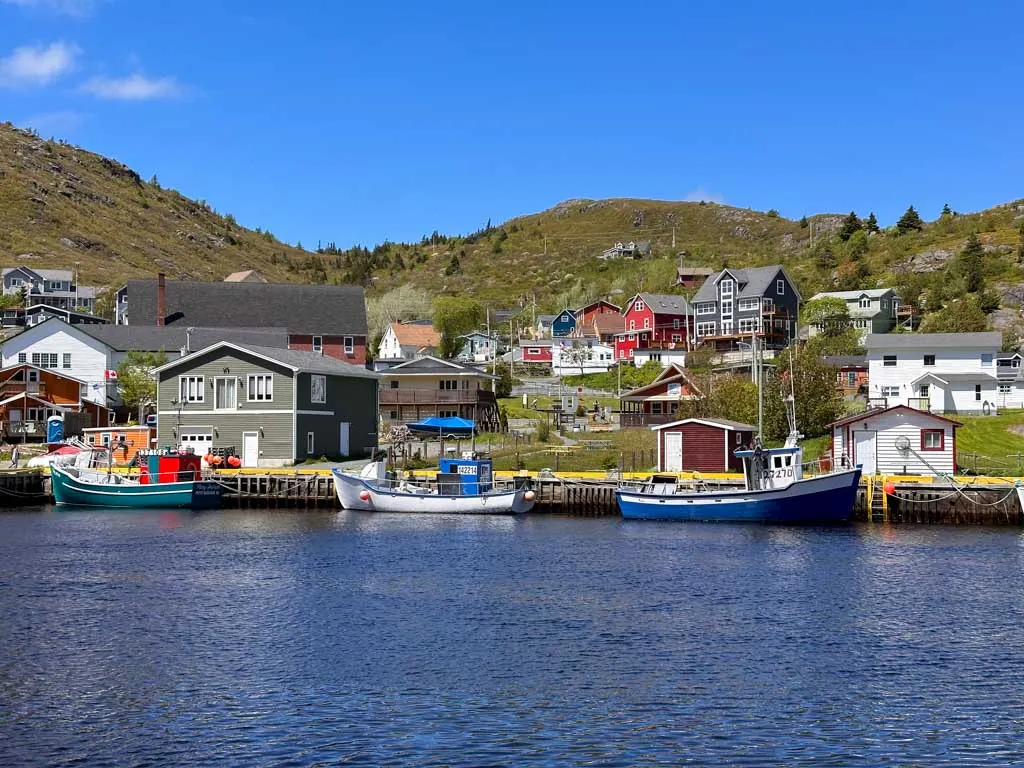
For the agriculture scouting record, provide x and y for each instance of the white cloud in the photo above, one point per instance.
(66, 7)
(36, 65)
(135, 87)
(701, 195)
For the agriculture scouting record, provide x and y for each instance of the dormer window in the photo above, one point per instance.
(865, 302)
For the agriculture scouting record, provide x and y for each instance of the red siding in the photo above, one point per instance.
(536, 354)
(334, 346)
(704, 447)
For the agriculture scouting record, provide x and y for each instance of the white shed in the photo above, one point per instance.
(896, 441)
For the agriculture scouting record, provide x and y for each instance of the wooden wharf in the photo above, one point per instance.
(916, 500)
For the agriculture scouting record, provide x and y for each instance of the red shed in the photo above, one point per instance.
(702, 445)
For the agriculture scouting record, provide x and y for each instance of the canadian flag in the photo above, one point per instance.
(110, 375)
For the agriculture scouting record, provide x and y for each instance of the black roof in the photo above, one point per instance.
(153, 338)
(306, 309)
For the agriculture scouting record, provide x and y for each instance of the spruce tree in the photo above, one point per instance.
(909, 221)
(969, 265)
(803, 222)
(946, 210)
(871, 225)
(851, 224)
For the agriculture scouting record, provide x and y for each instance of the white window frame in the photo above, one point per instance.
(217, 405)
(986, 359)
(780, 287)
(675, 323)
(1005, 389)
(705, 329)
(748, 304)
(66, 360)
(639, 305)
(22, 357)
(768, 304)
(310, 443)
(927, 434)
(748, 324)
(185, 388)
(647, 322)
(706, 308)
(350, 345)
(924, 390)
(893, 391)
(886, 361)
(632, 325)
(318, 343)
(313, 379)
(252, 388)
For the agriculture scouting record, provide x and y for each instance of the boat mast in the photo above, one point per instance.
(755, 355)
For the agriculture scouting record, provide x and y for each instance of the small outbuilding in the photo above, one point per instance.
(896, 441)
(702, 445)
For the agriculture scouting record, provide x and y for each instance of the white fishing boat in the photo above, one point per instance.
(462, 487)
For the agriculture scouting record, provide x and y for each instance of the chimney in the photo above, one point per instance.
(161, 299)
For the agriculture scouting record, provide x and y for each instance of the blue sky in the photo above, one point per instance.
(358, 122)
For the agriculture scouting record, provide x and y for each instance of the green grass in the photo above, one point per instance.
(514, 406)
(986, 442)
(632, 447)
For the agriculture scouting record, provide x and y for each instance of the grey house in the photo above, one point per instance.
(872, 310)
(50, 287)
(735, 303)
(275, 407)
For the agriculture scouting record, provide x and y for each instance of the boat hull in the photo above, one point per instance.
(69, 490)
(351, 488)
(824, 499)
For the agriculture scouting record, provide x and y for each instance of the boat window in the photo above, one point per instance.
(777, 462)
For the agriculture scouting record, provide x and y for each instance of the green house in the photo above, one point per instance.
(274, 407)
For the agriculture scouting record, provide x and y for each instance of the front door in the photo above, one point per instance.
(343, 442)
(673, 451)
(250, 449)
(865, 451)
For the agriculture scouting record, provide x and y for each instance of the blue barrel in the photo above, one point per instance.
(55, 429)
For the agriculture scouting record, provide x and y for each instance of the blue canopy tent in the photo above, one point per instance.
(451, 426)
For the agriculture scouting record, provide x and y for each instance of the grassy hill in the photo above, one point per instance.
(60, 204)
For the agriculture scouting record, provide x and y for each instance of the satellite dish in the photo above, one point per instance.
(902, 443)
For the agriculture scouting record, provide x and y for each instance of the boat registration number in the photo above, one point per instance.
(778, 474)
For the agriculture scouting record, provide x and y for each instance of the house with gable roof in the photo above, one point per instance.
(871, 310)
(657, 402)
(425, 387)
(409, 340)
(654, 321)
(50, 287)
(735, 304)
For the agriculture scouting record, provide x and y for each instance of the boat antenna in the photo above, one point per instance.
(791, 409)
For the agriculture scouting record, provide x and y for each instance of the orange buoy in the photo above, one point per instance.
(890, 487)
(208, 458)
(234, 462)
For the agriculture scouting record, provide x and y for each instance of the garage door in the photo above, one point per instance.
(198, 441)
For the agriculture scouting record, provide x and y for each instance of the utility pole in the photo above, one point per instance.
(760, 389)
(492, 352)
(545, 245)
(674, 238)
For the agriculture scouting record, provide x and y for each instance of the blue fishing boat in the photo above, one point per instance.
(166, 488)
(775, 491)
(775, 488)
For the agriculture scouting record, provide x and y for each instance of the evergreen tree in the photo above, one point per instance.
(1020, 246)
(851, 224)
(454, 267)
(946, 210)
(910, 220)
(871, 225)
(803, 222)
(969, 265)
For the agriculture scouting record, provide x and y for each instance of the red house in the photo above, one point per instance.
(702, 445)
(586, 315)
(654, 321)
(657, 402)
(535, 351)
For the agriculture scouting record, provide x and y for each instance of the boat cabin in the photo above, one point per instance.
(771, 468)
(465, 476)
(164, 466)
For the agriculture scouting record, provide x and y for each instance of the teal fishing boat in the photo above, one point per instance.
(76, 486)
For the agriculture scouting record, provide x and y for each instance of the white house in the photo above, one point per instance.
(896, 441)
(408, 341)
(69, 350)
(938, 372)
(663, 357)
(581, 357)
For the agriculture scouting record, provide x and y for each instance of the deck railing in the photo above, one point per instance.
(435, 397)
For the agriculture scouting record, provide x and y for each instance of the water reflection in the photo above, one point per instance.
(251, 637)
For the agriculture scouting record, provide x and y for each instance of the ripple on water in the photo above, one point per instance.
(269, 638)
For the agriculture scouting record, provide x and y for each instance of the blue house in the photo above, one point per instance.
(564, 323)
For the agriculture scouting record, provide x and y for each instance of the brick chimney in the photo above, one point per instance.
(161, 299)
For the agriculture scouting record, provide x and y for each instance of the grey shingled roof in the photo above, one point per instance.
(753, 281)
(433, 365)
(305, 362)
(847, 361)
(957, 378)
(302, 309)
(667, 303)
(928, 341)
(171, 338)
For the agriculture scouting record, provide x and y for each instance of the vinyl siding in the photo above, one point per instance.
(888, 428)
(276, 442)
(352, 400)
(910, 366)
(90, 359)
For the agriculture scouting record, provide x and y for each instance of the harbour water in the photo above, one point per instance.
(274, 638)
